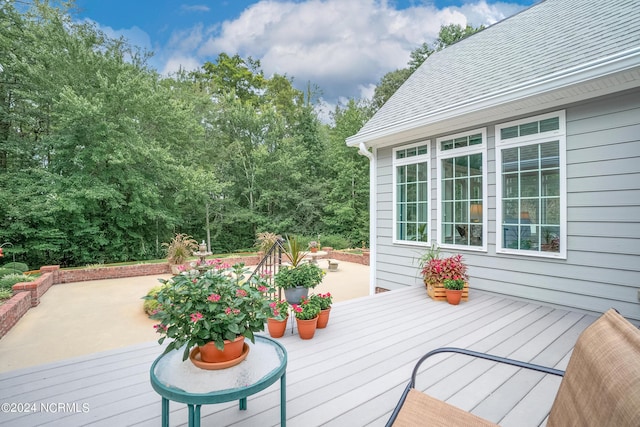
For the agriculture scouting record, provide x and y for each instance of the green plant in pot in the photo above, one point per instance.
(215, 306)
(296, 281)
(453, 288)
(179, 250)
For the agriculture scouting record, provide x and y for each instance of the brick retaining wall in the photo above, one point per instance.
(28, 294)
(12, 310)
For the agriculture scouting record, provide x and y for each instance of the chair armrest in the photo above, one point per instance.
(493, 358)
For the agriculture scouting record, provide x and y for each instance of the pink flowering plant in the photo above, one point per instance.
(306, 310)
(279, 309)
(322, 300)
(436, 270)
(196, 307)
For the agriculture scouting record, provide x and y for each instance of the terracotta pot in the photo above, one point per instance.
(323, 318)
(276, 327)
(314, 250)
(209, 353)
(453, 296)
(307, 328)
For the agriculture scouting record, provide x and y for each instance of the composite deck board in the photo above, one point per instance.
(351, 373)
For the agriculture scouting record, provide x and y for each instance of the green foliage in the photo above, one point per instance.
(7, 271)
(102, 159)
(453, 284)
(216, 305)
(5, 294)
(336, 241)
(295, 251)
(307, 275)
(7, 282)
(322, 300)
(306, 310)
(150, 304)
(20, 266)
(180, 248)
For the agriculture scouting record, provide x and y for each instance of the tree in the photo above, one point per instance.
(390, 82)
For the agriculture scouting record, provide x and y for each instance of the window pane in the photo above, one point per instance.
(461, 189)
(475, 188)
(475, 139)
(475, 236)
(510, 185)
(461, 211)
(422, 212)
(447, 212)
(446, 145)
(402, 231)
(510, 160)
(422, 150)
(422, 172)
(401, 174)
(462, 166)
(529, 184)
(412, 232)
(510, 132)
(550, 124)
(529, 129)
(475, 164)
(412, 173)
(447, 168)
(529, 157)
(461, 142)
(412, 192)
(447, 190)
(550, 211)
(550, 154)
(550, 183)
(401, 193)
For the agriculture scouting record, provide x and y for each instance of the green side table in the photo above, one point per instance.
(183, 382)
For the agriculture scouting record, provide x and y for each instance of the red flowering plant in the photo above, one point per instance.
(279, 309)
(436, 270)
(322, 300)
(306, 310)
(197, 307)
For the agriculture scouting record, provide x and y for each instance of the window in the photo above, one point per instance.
(462, 190)
(531, 186)
(411, 195)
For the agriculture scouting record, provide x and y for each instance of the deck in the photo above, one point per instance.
(351, 374)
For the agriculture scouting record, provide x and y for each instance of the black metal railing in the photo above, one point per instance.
(269, 267)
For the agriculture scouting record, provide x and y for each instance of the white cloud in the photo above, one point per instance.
(195, 8)
(342, 46)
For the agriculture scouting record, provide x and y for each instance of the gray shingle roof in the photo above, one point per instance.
(550, 37)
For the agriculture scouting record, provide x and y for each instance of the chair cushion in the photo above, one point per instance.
(420, 409)
(601, 386)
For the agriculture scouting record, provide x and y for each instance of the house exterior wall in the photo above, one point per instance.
(602, 267)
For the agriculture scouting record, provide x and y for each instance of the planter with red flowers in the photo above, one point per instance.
(435, 270)
(306, 318)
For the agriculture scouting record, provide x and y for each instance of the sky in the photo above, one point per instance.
(343, 47)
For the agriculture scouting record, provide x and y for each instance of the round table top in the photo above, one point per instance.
(184, 382)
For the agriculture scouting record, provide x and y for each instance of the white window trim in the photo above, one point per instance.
(561, 136)
(456, 152)
(407, 161)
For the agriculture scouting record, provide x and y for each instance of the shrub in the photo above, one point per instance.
(9, 280)
(7, 271)
(180, 248)
(20, 266)
(335, 241)
(5, 294)
(151, 305)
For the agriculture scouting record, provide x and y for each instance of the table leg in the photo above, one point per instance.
(283, 400)
(165, 412)
(194, 415)
(243, 404)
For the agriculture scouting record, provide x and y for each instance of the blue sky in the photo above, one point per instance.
(342, 46)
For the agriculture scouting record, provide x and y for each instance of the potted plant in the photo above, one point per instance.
(324, 302)
(435, 270)
(179, 250)
(278, 317)
(296, 281)
(306, 317)
(453, 289)
(314, 246)
(211, 309)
